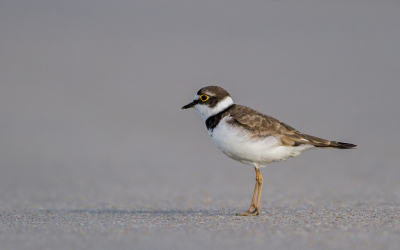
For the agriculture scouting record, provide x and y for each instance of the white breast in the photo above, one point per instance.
(237, 144)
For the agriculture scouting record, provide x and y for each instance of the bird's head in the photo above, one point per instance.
(210, 100)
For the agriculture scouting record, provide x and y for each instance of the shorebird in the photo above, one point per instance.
(251, 137)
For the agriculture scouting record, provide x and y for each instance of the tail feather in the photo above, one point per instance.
(342, 145)
(319, 142)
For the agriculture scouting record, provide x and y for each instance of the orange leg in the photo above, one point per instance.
(255, 203)
(260, 183)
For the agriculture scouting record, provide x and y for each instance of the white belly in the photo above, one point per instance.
(236, 144)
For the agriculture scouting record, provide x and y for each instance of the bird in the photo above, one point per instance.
(251, 137)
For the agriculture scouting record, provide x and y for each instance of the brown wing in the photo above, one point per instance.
(262, 126)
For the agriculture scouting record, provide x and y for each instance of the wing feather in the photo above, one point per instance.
(262, 126)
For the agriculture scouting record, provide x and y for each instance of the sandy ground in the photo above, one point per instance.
(358, 227)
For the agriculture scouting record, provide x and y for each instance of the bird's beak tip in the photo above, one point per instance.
(187, 106)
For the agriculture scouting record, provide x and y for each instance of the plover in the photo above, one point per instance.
(251, 137)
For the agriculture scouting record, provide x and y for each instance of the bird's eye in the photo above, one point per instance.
(204, 98)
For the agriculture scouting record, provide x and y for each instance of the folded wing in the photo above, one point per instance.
(262, 126)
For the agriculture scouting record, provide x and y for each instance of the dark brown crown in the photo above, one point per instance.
(215, 93)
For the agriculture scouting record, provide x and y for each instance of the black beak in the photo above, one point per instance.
(190, 105)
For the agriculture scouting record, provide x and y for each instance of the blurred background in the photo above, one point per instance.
(91, 95)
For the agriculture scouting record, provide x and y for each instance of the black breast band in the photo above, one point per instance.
(213, 120)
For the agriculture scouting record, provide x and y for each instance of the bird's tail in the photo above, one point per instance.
(319, 142)
(342, 145)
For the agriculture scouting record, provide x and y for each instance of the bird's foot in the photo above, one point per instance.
(255, 212)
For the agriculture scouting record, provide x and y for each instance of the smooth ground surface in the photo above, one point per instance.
(95, 152)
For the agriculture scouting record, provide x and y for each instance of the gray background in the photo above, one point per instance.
(95, 152)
